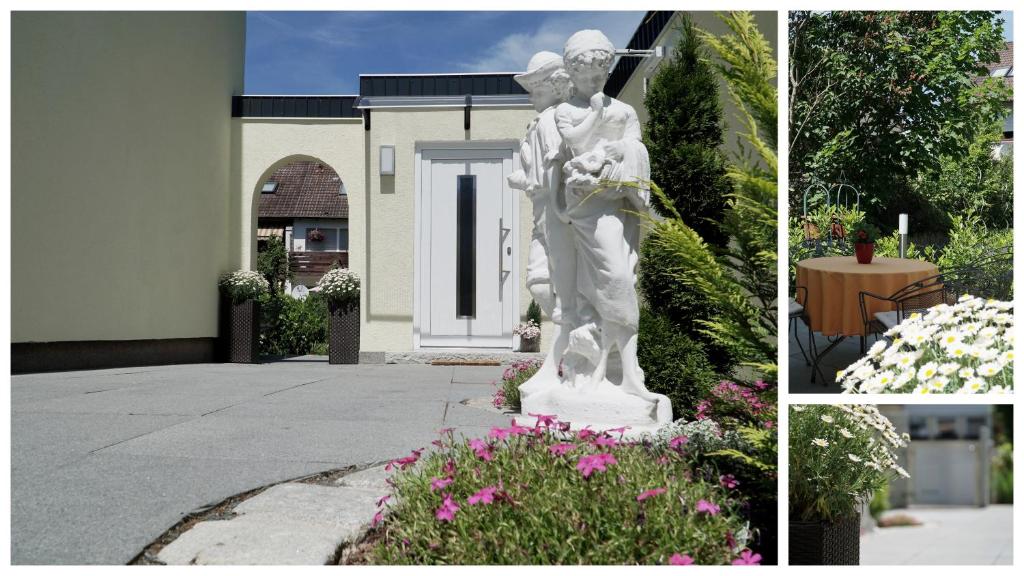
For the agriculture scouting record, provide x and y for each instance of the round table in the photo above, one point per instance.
(834, 283)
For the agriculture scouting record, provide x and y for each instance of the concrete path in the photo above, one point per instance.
(952, 536)
(104, 461)
(846, 353)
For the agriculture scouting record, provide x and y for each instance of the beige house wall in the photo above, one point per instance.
(121, 159)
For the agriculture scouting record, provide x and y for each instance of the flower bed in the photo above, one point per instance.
(507, 395)
(965, 348)
(543, 495)
(838, 456)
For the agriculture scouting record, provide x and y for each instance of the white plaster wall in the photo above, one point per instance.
(121, 163)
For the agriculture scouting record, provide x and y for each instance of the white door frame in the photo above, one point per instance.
(473, 145)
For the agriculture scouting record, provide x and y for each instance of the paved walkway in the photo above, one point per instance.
(104, 461)
(952, 536)
(846, 353)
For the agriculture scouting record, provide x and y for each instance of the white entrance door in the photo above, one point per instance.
(467, 251)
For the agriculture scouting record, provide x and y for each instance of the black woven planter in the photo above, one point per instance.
(242, 331)
(825, 543)
(344, 334)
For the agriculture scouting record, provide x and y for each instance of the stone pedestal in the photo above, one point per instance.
(603, 408)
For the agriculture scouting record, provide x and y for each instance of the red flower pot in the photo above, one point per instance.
(864, 252)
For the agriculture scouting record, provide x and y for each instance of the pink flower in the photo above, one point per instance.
(768, 424)
(650, 494)
(585, 433)
(382, 500)
(599, 462)
(677, 442)
(499, 399)
(405, 462)
(678, 559)
(708, 508)
(728, 481)
(517, 430)
(440, 483)
(481, 448)
(449, 468)
(543, 419)
(484, 496)
(747, 558)
(663, 460)
(509, 373)
(446, 513)
(605, 442)
(377, 519)
(561, 449)
(621, 430)
(564, 426)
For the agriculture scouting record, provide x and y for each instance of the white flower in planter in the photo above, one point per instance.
(242, 285)
(340, 285)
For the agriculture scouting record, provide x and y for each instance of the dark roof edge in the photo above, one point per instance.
(643, 37)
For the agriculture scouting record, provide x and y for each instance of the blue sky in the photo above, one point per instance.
(324, 52)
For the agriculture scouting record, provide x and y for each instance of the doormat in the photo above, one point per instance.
(455, 362)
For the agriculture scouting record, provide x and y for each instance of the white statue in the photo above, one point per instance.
(592, 234)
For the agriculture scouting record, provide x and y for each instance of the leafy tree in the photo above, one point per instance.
(272, 262)
(741, 279)
(684, 135)
(886, 95)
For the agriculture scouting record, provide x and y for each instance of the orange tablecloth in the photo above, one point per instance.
(833, 285)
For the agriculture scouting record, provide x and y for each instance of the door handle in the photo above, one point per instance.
(502, 273)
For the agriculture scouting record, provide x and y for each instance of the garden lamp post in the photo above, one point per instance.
(904, 225)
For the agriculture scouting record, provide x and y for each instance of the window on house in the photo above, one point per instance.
(329, 241)
(270, 187)
(343, 239)
(465, 248)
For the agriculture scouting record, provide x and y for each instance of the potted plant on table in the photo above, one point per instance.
(839, 455)
(240, 320)
(341, 288)
(864, 242)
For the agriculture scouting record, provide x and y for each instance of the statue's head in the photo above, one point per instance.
(588, 59)
(546, 80)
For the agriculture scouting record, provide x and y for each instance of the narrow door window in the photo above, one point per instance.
(465, 245)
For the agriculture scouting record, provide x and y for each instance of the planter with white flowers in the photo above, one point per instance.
(341, 288)
(839, 455)
(529, 336)
(240, 315)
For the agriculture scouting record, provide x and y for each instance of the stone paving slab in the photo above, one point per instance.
(947, 536)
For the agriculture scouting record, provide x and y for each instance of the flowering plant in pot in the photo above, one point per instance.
(315, 235)
(864, 242)
(341, 288)
(839, 455)
(240, 314)
(529, 336)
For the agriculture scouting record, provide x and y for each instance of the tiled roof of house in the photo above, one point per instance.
(1004, 67)
(304, 190)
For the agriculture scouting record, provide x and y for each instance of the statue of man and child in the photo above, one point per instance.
(585, 168)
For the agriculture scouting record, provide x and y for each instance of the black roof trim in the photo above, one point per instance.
(294, 107)
(439, 85)
(646, 33)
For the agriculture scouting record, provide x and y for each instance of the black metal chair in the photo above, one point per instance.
(798, 312)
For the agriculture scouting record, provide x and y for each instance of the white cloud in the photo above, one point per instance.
(511, 53)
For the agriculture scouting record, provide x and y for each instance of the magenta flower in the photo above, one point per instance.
(498, 433)
(605, 442)
(543, 419)
(405, 462)
(440, 483)
(517, 430)
(650, 494)
(449, 468)
(768, 424)
(599, 462)
(382, 500)
(446, 513)
(564, 426)
(585, 433)
(509, 373)
(377, 519)
(747, 558)
(678, 559)
(561, 449)
(499, 399)
(678, 442)
(728, 481)
(481, 448)
(483, 496)
(709, 508)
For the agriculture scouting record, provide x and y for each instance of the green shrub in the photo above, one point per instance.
(540, 496)
(879, 502)
(507, 395)
(272, 262)
(680, 304)
(533, 312)
(674, 364)
(1002, 474)
(293, 327)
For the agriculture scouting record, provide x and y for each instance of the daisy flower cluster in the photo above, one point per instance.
(964, 348)
(538, 492)
(242, 285)
(839, 455)
(340, 285)
(527, 330)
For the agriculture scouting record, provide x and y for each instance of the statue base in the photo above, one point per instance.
(603, 408)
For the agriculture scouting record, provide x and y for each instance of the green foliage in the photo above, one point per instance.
(533, 312)
(885, 96)
(1002, 474)
(543, 510)
(272, 262)
(865, 233)
(683, 136)
(970, 240)
(879, 502)
(681, 305)
(740, 281)
(673, 364)
(293, 327)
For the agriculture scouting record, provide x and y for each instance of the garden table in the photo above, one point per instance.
(834, 283)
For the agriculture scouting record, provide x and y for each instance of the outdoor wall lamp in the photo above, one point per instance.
(387, 160)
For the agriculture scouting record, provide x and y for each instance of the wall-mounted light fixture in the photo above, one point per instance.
(387, 160)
